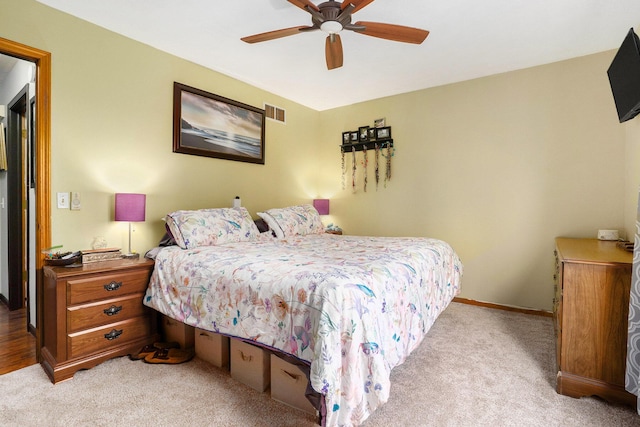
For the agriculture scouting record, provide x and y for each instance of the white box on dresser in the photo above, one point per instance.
(250, 365)
(212, 347)
(289, 384)
(175, 331)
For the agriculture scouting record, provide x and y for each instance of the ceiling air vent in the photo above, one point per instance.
(275, 113)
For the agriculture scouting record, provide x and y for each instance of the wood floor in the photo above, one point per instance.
(17, 346)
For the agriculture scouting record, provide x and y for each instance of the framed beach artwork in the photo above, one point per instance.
(209, 125)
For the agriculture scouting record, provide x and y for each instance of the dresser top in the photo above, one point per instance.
(102, 266)
(592, 251)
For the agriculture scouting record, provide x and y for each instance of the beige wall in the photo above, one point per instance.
(497, 166)
(632, 168)
(112, 132)
(631, 130)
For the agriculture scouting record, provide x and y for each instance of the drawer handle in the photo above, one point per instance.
(113, 286)
(113, 334)
(245, 357)
(290, 375)
(112, 310)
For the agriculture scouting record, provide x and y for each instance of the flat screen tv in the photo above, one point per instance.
(624, 77)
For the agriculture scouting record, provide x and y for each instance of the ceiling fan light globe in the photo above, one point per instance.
(331, 27)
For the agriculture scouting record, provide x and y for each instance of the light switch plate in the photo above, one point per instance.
(63, 200)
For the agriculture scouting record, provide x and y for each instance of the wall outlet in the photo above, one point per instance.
(75, 201)
(63, 200)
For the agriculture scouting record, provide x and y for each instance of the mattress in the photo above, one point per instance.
(351, 307)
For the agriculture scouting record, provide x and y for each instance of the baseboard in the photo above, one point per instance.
(504, 307)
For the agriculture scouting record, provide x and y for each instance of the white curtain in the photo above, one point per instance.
(3, 149)
(632, 379)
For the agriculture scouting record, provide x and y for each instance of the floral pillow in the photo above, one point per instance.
(293, 220)
(210, 227)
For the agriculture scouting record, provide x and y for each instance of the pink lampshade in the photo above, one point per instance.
(322, 206)
(130, 207)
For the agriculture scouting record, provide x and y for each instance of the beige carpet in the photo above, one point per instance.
(477, 367)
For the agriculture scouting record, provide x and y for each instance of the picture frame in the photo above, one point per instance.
(379, 123)
(372, 134)
(383, 133)
(363, 134)
(346, 137)
(354, 136)
(205, 124)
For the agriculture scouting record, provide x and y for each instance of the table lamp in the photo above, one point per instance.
(130, 207)
(322, 206)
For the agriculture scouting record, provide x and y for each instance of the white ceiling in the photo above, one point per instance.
(468, 39)
(6, 65)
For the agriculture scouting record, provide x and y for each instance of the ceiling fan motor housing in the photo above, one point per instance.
(330, 9)
(331, 18)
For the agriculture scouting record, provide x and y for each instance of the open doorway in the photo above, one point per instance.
(14, 190)
(32, 112)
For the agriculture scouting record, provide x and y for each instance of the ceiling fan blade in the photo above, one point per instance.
(358, 4)
(302, 4)
(333, 51)
(397, 33)
(271, 35)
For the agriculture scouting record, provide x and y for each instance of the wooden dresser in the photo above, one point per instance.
(591, 306)
(93, 313)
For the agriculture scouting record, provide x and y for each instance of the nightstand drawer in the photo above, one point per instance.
(93, 340)
(87, 316)
(106, 286)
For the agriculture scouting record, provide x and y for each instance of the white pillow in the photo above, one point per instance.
(294, 220)
(210, 227)
(272, 223)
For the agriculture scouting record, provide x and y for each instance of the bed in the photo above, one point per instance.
(349, 307)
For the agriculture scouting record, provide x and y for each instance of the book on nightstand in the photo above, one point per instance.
(97, 255)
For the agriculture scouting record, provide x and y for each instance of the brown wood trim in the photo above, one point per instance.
(42, 60)
(577, 386)
(61, 371)
(504, 307)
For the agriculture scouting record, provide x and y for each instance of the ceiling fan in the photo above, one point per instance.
(332, 17)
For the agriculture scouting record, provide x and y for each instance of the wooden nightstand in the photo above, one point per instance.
(93, 313)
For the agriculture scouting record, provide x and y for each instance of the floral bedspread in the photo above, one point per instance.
(353, 307)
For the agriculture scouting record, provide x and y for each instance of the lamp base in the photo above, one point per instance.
(131, 256)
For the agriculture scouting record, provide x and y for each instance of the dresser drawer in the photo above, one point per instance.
(87, 316)
(106, 286)
(114, 334)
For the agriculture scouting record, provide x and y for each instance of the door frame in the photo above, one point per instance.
(42, 60)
